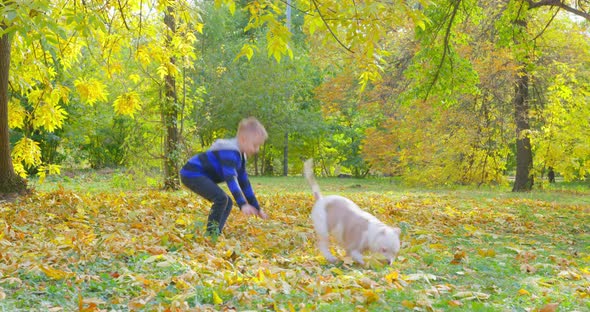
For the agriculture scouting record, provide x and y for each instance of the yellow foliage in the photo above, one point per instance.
(91, 90)
(247, 51)
(278, 38)
(127, 103)
(27, 151)
(49, 116)
(162, 71)
(48, 169)
(16, 114)
(20, 169)
(143, 55)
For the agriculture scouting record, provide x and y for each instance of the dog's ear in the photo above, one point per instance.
(397, 230)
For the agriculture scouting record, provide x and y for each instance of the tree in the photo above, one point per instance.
(524, 178)
(10, 182)
(170, 112)
(97, 50)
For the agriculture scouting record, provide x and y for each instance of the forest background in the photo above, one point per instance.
(435, 92)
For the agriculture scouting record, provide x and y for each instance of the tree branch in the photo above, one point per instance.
(547, 25)
(329, 28)
(558, 3)
(445, 46)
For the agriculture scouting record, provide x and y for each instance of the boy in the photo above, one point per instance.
(225, 161)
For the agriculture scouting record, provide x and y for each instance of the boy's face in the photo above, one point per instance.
(250, 143)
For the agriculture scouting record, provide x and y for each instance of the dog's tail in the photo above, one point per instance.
(308, 173)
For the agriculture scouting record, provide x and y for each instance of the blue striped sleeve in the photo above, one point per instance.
(229, 161)
(236, 191)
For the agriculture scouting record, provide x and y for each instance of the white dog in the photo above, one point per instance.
(353, 228)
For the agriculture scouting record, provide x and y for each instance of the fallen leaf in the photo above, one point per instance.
(458, 257)
(528, 268)
(455, 303)
(523, 292)
(216, 298)
(408, 304)
(418, 276)
(486, 252)
(56, 274)
(550, 307)
(471, 295)
(370, 296)
(392, 276)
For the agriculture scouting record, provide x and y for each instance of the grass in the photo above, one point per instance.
(98, 241)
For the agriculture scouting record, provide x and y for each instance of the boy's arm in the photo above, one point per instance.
(247, 189)
(236, 191)
(229, 163)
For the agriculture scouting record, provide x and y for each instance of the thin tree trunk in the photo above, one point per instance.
(286, 155)
(170, 114)
(524, 157)
(10, 182)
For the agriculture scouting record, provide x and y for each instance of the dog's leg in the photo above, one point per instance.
(324, 247)
(356, 256)
(318, 215)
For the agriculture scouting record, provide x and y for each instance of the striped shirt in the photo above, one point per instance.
(227, 165)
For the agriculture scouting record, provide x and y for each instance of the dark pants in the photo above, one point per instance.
(222, 203)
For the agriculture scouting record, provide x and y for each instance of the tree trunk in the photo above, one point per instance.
(170, 116)
(286, 155)
(10, 182)
(524, 157)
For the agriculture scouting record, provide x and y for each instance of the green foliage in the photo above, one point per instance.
(277, 93)
(422, 89)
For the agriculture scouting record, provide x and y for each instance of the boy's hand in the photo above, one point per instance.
(262, 214)
(250, 210)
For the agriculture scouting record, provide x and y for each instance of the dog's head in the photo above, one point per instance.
(387, 243)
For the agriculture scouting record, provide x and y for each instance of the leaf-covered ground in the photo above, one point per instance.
(70, 250)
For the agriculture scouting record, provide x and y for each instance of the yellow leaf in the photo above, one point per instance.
(408, 304)
(91, 90)
(370, 296)
(486, 252)
(182, 220)
(336, 271)
(56, 274)
(523, 292)
(162, 71)
(469, 228)
(392, 276)
(247, 51)
(438, 246)
(216, 298)
(199, 27)
(127, 103)
(135, 78)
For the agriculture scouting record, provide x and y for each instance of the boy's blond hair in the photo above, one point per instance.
(251, 125)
